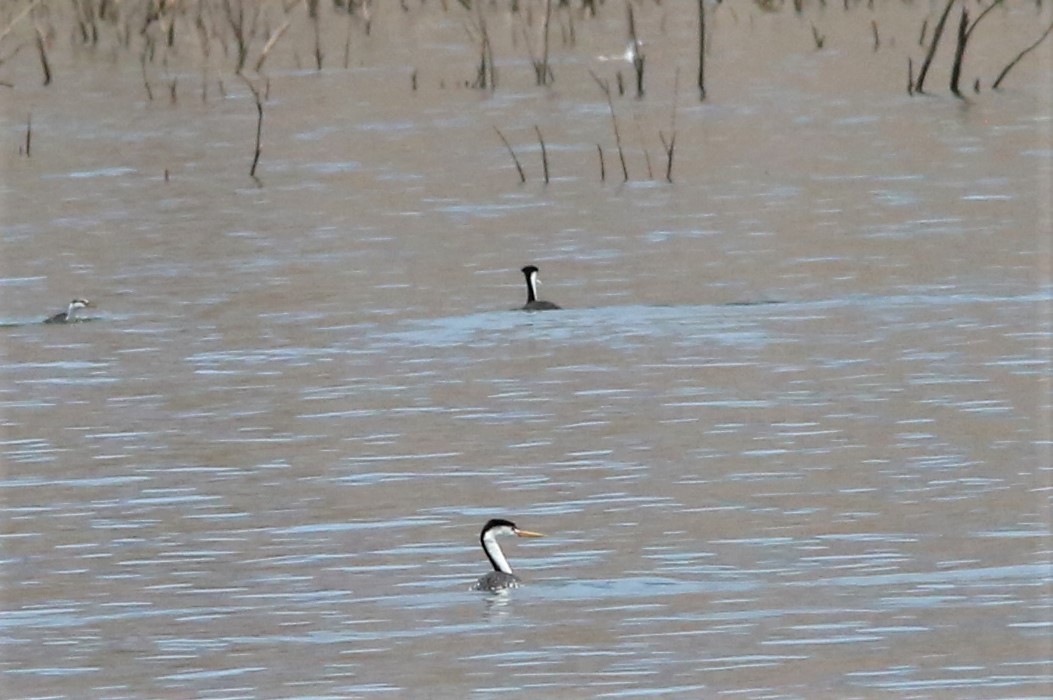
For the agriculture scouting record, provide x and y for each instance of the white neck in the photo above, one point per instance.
(494, 551)
(71, 310)
(532, 281)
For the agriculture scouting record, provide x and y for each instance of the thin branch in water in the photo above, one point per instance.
(259, 125)
(542, 71)
(29, 133)
(315, 22)
(818, 38)
(701, 50)
(18, 18)
(270, 44)
(603, 166)
(959, 52)
(614, 120)
(1009, 67)
(670, 144)
(522, 176)
(146, 81)
(43, 56)
(919, 85)
(643, 145)
(638, 57)
(544, 152)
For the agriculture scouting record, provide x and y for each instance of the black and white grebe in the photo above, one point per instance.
(501, 577)
(533, 303)
(70, 314)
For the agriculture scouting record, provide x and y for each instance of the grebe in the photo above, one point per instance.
(70, 314)
(501, 577)
(533, 303)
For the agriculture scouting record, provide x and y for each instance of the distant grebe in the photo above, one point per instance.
(501, 577)
(533, 303)
(70, 314)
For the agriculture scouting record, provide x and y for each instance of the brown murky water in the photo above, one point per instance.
(789, 438)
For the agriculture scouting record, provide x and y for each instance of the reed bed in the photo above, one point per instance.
(220, 40)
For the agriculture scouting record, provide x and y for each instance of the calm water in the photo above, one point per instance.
(789, 438)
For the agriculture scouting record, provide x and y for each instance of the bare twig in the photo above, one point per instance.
(29, 133)
(670, 144)
(277, 34)
(818, 38)
(542, 71)
(638, 57)
(919, 85)
(959, 52)
(603, 166)
(519, 168)
(701, 50)
(544, 153)
(259, 125)
(18, 18)
(605, 86)
(1005, 71)
(146, 81)
(43, 56)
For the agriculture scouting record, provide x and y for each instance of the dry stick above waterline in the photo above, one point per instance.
(522, 176)
(701, 50)
(259, 125)
(1005, 71)
(965, 30)
(544, 152)
(605, 86)
(44, 65)
(919, 84)
(638, 57)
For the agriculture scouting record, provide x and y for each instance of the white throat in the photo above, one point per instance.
(533, 282)
(494, 551)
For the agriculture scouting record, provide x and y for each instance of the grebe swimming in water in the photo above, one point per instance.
(70, 314)
(501, 577)
(533, 303)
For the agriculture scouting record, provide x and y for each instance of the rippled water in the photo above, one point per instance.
(789, 438)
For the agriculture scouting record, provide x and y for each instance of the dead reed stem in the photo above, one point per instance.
(670, 144)
(919, 85)
(519, 168)
(701, 50)
(603, 166)
(543, 71)
(315, 23)
(1009, 66)
(18, 18)
(259, 126)
(29, 134)
(959, 52)
(146, 80)
(965, 30)
(544, 152)
(274, 37)
(638, 57)
(605, 86)
(42, 50)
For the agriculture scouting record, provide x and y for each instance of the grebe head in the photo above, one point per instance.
(530, 272)
(70, 313)
(501, 577)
